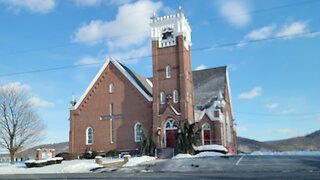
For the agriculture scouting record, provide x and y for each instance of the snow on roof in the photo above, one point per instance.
(212, 147)
(138, 81)
(208, 83)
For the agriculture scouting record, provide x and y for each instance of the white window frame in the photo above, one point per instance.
(175, 95)
(136, 137)
(162, 97)
(111, 88)
(87, 136)
(168, 71)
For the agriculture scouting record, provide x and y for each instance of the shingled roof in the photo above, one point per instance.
(207, 83)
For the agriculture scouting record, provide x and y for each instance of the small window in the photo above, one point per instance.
(175, 96)
(217, 113)
(137, 132)
(111, 88)
(89, 135)
(168, 71)
(206, 126)
(162, 97)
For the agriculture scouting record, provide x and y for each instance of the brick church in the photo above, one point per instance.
(119, 102)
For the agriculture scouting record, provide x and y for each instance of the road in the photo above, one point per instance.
(237, 167)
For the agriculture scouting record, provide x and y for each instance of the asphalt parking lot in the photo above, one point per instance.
(235, 167)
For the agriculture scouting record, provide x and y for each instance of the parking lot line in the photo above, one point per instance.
(239, 160)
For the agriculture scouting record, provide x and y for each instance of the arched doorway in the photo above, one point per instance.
(170, 132)
(206, 134)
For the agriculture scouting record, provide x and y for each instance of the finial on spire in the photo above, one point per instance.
(73, 101)
(153, 17)
(180, 11)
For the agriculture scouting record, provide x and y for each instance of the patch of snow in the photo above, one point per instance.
(80, 167)
(138, 160)
(209, 154)
(200, 155)
(182, 156)
(212, 147)
(74, 166)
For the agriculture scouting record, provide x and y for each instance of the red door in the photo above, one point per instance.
(206, 137)
(171, 137)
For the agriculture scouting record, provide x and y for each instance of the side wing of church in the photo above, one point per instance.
(118, 103)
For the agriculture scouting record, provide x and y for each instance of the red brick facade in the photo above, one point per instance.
(104, 120)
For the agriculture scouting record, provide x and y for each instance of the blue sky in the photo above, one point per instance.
(274, 84)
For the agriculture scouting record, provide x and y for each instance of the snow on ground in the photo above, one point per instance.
(74, 166)
(200, 155)
(138, 160)
(290, 153)
(212, 147)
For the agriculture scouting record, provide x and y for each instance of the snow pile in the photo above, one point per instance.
(200, 155)
(138, 160)
(182, 156)
(209, 154)
(212, 147)
(74, 166)
(288, 153)
(80, 167)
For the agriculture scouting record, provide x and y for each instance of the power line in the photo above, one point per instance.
(232, 44)
(135, 33)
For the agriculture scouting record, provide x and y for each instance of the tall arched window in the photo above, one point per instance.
(168, 71)
(137, 132)
(175, 96)
(89, 135)
(111, 88)
(162, 97)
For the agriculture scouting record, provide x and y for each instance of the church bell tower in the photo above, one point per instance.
(173, 99)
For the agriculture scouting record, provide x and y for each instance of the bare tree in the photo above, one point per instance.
(20, 126)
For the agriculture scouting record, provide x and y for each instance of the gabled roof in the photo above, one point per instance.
(143, 85)
(208, 83)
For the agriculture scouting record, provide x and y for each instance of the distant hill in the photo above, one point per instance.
(308, 142)
(59, 147)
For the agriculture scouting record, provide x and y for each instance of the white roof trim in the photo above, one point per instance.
(229, 90)
(175, 111)
(122, 70)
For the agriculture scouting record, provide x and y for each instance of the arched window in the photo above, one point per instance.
(89, 135)
(162, 97)
(168, 71)
(206, 126)
(171, 124)
(111, 88)
(137, 132)
(175, 96)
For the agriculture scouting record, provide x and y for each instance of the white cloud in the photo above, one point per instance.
(130, 27)
(88, 60)
(119, 2)
(287, 111)
(88, 2)
(292, 29)
(36, 6)
(38, 102)
(15, 85)
(132, 56)
(272, 105)
(200, 67)
(255, 92)
(262, 33)
(235, 12)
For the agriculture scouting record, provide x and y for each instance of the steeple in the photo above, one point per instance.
(172, 76)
